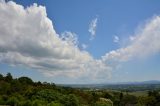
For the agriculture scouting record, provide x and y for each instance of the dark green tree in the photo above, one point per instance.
(71, 100)
(25, 80)
(1, 77)
(13, 101)
(8, 77)
(107, 95)
(128, 99)
(5, 88)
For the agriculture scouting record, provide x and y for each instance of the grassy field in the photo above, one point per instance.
(138, 93)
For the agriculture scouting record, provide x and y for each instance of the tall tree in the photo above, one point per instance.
(8, 77)
(1, 77)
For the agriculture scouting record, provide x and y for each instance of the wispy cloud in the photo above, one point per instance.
(92, 28)
(144, 43)
(116, 39)
(84, 46)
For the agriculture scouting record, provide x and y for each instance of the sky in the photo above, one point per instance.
(80, 42)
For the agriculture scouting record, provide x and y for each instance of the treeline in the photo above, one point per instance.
(24, 92)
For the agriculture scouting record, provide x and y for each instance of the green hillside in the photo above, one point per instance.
(24, 92)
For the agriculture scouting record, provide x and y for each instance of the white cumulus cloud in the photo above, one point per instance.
(28, 38)
(145, 42)
(70, 37)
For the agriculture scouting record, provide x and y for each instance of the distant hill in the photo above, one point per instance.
(130, 86)
(140, 82)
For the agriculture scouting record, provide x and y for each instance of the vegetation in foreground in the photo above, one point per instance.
(24, 92)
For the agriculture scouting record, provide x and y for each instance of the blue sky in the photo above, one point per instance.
(115, 18)
(119, 24)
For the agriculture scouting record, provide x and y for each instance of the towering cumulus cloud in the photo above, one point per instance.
(28, 38)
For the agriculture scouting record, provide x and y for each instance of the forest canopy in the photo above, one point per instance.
(23, 91)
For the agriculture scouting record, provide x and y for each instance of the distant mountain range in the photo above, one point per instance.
(115, 84)
(140, 82)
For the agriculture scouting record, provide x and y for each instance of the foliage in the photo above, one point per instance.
(13, 101)
(24, 92)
